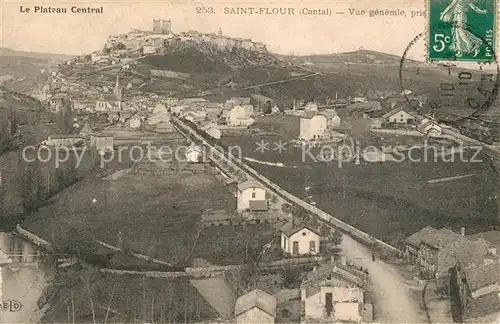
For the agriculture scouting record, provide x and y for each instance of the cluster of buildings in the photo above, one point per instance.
(161, 37)
(333, 292)
(469, 264)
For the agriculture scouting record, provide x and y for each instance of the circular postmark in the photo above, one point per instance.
(452, 94)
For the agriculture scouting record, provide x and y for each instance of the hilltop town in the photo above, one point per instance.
(202, 179)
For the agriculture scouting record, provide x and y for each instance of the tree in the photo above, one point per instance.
(32, 191)
(291, 277)
(120, 46)
(268, 108)
(77, 244)
(335, 237)
(253, 243)
(286, 208)
(65, 118)
(273, 199)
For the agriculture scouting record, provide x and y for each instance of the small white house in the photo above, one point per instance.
(312, 126)
(334, 293)
(256, 307)
(135, 122)
(249, 191)
(193, 153)
(399, 116)
(299, 239)
(429, 127)
(241, 115)
(214, 132)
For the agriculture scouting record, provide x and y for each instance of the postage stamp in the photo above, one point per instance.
(461, 30)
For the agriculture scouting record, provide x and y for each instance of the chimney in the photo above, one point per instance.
(462, 231)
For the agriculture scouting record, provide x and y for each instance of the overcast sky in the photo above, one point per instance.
(82, 33)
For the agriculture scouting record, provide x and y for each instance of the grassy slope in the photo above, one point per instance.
(156, 215)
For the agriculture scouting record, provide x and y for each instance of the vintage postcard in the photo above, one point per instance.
(230, 161)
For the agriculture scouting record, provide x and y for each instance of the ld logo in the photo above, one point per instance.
(11, 306)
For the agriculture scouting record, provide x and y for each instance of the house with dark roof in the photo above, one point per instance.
(211, 217)
(249, 191)
(334, 293)
(57, 101)
(256, 307)
(298, 238)
(478, 289)
(439, 250)
(412, 243)
(492, 237)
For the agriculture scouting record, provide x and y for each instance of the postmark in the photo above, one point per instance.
(461, 30)
(455, 94)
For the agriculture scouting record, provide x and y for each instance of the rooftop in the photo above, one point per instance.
(416, 238)
(256, 298)
(493, 237)
(439, 238)
(248, 184)
(258, 205)
(483, 276)
(65, 136)
(311, 114)
(291, 228)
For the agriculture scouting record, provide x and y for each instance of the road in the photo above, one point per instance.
(392, 300)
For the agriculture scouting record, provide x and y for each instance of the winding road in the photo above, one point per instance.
(392, 300)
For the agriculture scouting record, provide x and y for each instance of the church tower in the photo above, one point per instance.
(118, 89)
(220, 31)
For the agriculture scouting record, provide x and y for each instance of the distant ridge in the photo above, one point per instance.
(4, 51)
(358, 56)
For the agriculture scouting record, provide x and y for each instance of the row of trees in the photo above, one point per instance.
(8, 128)
(35, 187)
(64, 119)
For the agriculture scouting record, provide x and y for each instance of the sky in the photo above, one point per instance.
(290, 34)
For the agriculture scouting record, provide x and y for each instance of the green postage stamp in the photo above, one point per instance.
(461, 30)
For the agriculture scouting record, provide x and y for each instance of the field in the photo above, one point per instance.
(389, 200)
(156, 215)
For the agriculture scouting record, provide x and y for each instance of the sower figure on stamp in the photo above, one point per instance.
(463, 41)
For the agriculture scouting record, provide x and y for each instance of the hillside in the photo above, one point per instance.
(55, 58)
(219, 76)
(26, 107)
(21, 71)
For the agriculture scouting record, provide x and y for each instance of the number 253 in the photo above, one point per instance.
(204, 10)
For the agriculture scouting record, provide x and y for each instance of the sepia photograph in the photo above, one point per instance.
(301, 161)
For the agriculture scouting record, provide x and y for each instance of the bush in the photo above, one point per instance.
(291, 277)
